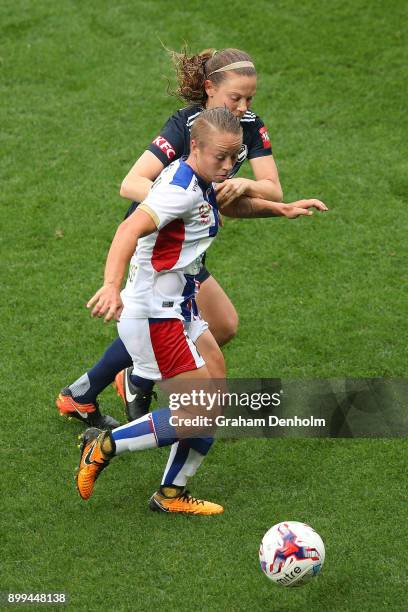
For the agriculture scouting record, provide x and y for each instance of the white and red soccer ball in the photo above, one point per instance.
(291, 553)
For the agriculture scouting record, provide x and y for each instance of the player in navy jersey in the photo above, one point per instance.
(173, 141)
(207, 80)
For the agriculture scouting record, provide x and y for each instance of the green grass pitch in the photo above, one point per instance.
(83, 90)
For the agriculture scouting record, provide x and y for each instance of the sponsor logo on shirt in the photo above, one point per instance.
(205, 213)
(164, 146)
(265, 137)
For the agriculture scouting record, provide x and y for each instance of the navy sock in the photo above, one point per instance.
(150, 431)
(184, 462)
(201, 445)
(142, 383)
(165, 432)
(115, 359)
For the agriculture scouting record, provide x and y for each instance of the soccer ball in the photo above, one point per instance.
(291, 553)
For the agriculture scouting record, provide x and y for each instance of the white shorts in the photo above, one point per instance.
(161, 348)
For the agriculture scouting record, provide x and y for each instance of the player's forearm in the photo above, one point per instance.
(135, 188)
(121, 250)
(265, 189)
(249, 208)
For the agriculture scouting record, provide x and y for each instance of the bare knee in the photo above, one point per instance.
(212, 355)
(226, 328)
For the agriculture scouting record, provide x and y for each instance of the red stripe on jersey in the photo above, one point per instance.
(168, 245)
(171, 349)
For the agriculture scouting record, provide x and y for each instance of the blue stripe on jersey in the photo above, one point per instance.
(182, 176)
(213, 230)
(212, 199)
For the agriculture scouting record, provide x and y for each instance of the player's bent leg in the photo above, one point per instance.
(78, 400)
(169, 350)
(187, 454)
(150, 431)
(218, 310)
(185, 458)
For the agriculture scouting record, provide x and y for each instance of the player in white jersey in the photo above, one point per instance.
(172, 230)
(206, 80)
(162, 285)
(184, 209)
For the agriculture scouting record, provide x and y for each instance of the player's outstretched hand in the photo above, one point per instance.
(302, 207)
(106, 301)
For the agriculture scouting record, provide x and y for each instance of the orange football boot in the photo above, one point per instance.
(119, 385)
(87, 413)
(93, 459)
(184, 503)
(136, 400)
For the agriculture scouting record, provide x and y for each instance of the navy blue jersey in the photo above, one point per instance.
(173, 141)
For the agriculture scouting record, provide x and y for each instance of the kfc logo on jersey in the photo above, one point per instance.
(164, 146)
(265, 137)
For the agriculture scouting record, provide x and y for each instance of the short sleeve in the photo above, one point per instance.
(170, 143)
(166, 203)
(260, 144)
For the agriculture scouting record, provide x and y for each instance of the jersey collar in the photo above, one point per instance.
(204, 185)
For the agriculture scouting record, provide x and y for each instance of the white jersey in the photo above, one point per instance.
(161, 282)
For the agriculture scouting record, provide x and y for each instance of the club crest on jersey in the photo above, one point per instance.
(242, 154)
(265, 137)
(164, 146)
(205, 213)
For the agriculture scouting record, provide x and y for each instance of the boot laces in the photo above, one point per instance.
(190, 499)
